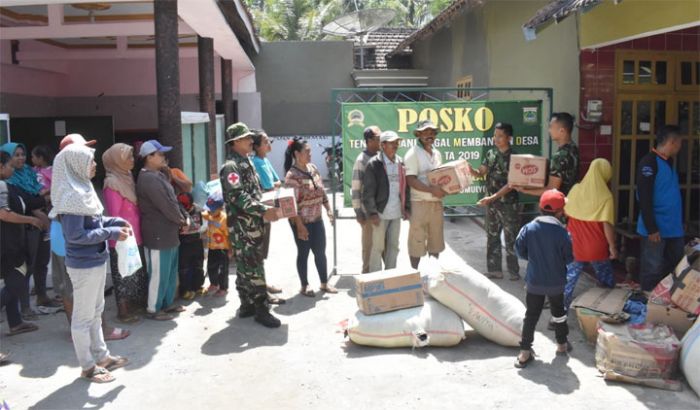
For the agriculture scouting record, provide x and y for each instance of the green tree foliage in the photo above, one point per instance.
(303, 19)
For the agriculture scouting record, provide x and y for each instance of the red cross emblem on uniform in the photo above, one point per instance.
(233, 178)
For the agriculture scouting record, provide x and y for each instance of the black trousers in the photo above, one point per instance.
(534, 304)
(15, 287)
(191, 265)
(217, 268)
(37, 265)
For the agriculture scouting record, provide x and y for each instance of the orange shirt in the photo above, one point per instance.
(588, 239)
(217, 230)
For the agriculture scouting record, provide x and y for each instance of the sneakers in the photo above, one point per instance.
(265, 318)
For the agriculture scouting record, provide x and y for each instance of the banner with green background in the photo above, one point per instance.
(466, 132)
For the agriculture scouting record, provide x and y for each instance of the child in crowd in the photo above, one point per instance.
(42, 157)
(546, 245)
(218, 244)
(191, 258)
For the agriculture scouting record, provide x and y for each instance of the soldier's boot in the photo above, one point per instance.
(246, 311)
(265, 318)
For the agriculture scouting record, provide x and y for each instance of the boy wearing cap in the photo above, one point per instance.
(218, 245)
(242, 196)
(384, 192)
(546, 245)
(425, 233)
(371, 135)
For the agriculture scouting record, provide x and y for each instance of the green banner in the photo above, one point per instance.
(466, 132)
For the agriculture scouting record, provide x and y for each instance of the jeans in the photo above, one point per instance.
(534, 304)
(658, 260)
(315, 244)
(603, 272)
(385, 244)
(86, 323)
(15, 286)
(217, 268)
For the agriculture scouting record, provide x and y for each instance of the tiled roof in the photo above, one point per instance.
(442, 19)
(384, 40)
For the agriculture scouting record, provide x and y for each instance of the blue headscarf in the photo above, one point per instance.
(24, 178)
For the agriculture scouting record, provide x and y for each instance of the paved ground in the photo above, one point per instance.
(209, 359)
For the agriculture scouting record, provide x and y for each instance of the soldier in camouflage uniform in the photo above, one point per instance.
(563, 166)
(246, 216)
(501, 202)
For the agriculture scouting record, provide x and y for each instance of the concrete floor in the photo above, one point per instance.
(209, 359)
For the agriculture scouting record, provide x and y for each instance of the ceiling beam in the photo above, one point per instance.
(140, 28)
(98, 54)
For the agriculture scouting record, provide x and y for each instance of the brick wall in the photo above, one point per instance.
(598, 83)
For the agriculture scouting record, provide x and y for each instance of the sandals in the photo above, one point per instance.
(521, 365)
(174, 309)
(160, 316)
(114, 362)
(514, 277)
(98, 375)
(494, 275)
(212, 290)
(307, 292)
(128, 319)
(328, 289)
(23, 327)
(273, 289)
(221, 293)
(117, 334)
(273, 300)
(50, 303)
(569, 348)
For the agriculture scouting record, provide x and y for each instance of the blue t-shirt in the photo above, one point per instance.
(58, 243)
(266, 172)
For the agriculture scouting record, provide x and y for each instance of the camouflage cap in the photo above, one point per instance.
(425, 125)
(237, 131)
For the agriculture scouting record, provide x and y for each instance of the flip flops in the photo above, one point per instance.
(273, 289)
(117, 334)
(114, 362)
(307, 292)
(523, 364)
(494, 275)
(160, 316)
(329, 289)
(24, 327)
(174, 309)
(98, 375)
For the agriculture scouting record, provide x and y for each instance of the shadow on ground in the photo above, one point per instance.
(242, 335)
(76, 396)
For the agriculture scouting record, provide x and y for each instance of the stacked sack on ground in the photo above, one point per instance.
(406, 310)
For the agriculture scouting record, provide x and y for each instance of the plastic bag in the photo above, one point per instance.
(128, 257)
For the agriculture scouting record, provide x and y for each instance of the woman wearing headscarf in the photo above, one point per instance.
(591, 216)
(31, 191)
(86, 231)
(120, 201)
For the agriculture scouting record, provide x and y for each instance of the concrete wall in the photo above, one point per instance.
(455, 51)
(487, 42)
(295, 80)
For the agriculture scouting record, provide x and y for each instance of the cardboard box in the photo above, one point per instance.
(527, 171)
(284, 200)
(685, 292)
(593, 304)
(453, 176)
(679, 320)
(392, 289)
(647, 351)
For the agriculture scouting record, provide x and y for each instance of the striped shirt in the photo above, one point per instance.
(358, 173)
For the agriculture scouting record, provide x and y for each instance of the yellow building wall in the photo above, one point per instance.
(610, 23)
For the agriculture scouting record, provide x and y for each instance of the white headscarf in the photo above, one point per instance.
(71, 189)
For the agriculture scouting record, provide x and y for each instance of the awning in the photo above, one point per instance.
(556, 11)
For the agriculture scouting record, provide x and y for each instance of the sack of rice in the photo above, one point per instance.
(429, 325)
